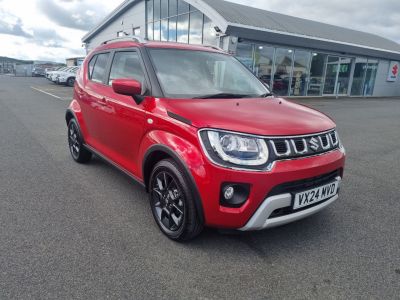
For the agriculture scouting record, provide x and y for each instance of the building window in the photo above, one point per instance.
(164, 9)
(244, 53)
(317, 71)
(157, 9)
(172, 29)
(196, 28)
(173, 8)
(370, 77)
(283, 71)
(156, 32)
(136, 31)
(183, 7)
(150, 31)
(264, 58)
(300, 73)
(149, 11)
(120, 34)
(360, 69)
(209, 33)
(183, 29)
(164, 30)
(177, 21)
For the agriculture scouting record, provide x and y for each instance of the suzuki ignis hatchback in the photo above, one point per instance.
(204, 136)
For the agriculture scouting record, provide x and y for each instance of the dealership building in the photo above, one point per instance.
(296, 57)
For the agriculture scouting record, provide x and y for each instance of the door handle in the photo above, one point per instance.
(103, 101)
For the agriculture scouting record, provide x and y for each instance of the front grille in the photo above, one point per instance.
(294, 147)
(300, 145)
(281, 147)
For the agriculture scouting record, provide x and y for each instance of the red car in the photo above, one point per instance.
(203, 136)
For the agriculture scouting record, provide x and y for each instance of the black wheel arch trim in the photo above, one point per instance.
(70, 111)
(182, 164)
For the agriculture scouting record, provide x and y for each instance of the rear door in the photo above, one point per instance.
(94, 105)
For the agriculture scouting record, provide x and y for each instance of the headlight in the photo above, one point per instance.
(232, 148)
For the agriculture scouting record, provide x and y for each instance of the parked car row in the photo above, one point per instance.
(63, 75)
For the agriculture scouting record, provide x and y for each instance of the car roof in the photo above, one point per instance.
(115, 44)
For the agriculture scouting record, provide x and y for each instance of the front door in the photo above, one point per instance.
(125, 123)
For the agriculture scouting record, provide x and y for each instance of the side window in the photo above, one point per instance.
(91, 66)
(126, 65)
(99, 69)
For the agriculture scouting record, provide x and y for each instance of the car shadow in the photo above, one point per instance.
(290, 238)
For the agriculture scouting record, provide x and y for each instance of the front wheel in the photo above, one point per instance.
(75, 142)
(172, 202)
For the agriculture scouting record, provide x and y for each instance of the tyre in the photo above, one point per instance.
(75, 142)
(71, 81)
(172, 202)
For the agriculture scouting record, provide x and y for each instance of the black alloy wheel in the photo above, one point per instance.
(172, 203)
(78, 152)
(167, 201)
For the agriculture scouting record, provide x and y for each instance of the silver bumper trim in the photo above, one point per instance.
(260, 220)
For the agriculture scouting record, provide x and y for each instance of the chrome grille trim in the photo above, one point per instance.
(281, 154)
(305, 150)
(328, 144)
(335, 142)
(314, 144)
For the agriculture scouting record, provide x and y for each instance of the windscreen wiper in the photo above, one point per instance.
(221, 96)
(266, 95)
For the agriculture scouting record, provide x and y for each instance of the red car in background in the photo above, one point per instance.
(204, 136)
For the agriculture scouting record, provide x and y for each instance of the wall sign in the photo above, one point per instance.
(394, 70)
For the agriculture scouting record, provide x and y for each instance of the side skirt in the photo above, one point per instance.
(115, 165)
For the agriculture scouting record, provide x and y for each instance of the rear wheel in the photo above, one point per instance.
(75, 142)
(172, 202)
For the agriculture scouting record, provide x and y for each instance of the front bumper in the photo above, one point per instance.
(267, 190)
(263, 217)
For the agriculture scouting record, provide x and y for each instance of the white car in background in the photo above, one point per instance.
(54, 75)
(67, 77)
(49, 72)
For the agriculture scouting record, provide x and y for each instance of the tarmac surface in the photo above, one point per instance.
(86, 231)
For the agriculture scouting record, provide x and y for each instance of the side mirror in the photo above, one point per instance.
(128, 87)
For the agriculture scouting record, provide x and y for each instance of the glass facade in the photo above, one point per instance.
(282, 71)
(177, 21)
(263, 67)
(300, 73)
(297, 72)
(287, 71)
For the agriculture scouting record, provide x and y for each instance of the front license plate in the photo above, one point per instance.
(316, 195)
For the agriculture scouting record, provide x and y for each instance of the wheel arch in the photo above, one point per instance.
(69, 114)
(159, 152)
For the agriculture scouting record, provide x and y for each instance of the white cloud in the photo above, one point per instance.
(52, 29)
(27, 32)
(379, 17)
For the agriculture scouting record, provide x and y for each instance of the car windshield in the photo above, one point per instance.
(201, 74)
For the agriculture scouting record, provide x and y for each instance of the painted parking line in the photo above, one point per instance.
(47, 93)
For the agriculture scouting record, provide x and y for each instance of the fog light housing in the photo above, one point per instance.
(234, 194)
(229, 192)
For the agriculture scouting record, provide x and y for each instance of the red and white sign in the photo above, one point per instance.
(394, 70)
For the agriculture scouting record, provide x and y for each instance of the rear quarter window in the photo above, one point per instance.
(98, 71)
